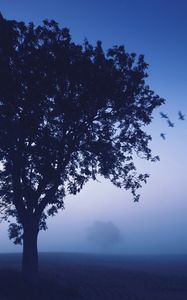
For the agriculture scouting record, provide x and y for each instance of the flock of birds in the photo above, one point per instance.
(181, 117)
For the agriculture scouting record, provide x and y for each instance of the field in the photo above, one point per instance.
(97, 277)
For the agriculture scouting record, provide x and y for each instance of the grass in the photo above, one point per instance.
(96, 277)
(13, 287)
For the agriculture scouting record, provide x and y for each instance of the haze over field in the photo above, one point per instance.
(158, 223)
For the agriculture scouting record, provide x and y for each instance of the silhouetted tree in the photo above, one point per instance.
(68, 112)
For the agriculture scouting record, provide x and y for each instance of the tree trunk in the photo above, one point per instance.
(30, 253)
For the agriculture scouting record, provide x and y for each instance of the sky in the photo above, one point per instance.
(158, 223)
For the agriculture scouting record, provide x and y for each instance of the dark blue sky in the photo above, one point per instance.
(157, 29)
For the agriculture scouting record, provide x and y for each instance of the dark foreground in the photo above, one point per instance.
(97, 277)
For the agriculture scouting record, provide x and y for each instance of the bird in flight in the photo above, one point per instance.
(170, 124)
(163, 136)
(163, 115)
(181, 116)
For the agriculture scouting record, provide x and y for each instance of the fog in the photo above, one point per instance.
(155, 225)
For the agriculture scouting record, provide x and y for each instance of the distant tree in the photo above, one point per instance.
(104, 234)
(68, 113)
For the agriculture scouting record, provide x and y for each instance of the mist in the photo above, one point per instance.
(155, 225)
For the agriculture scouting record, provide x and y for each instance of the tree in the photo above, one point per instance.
(68, 113)
(105, 235)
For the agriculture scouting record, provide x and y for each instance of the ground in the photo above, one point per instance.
(97, 277)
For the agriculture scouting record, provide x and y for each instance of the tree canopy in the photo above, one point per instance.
(68, 113)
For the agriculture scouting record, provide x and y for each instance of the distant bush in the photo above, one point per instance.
(104, 234)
